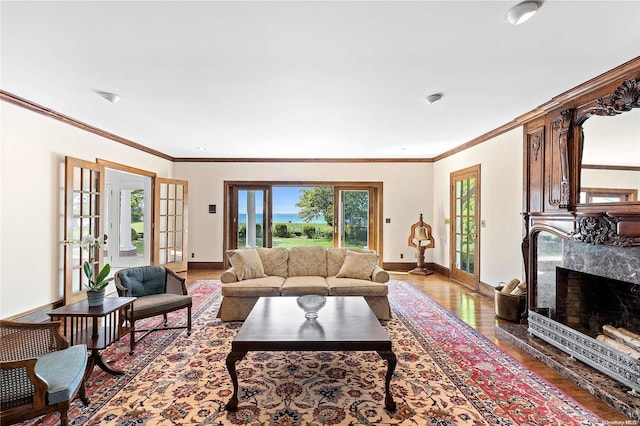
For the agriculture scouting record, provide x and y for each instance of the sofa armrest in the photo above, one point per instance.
(228, 276)
(379, 275)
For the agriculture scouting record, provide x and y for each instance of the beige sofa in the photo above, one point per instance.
(299, 271)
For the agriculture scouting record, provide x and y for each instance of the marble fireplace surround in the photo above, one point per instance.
(619, 263)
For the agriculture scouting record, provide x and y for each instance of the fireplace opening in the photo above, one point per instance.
(586, 302)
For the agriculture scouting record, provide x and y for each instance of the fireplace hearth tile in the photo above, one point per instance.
(593, 381)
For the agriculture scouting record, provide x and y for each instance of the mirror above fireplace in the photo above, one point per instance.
(609, 129)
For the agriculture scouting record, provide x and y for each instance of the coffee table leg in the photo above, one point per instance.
(390, 357)
(232, 358)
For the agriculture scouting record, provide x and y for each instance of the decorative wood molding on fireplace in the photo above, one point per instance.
(600, 229)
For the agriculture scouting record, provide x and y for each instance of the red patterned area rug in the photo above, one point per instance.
(447, 374)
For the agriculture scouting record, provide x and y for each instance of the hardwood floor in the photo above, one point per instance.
(479, 313)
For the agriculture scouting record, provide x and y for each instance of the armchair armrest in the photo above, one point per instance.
(175, 283)
(122, 290)
(21, 374)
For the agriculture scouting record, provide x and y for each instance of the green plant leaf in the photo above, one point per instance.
(88, 270)
(103, 274)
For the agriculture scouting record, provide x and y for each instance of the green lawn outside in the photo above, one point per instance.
(139, 244)
(301, 241)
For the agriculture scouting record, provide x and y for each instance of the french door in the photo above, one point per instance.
(170, 223)
(84, 206)
(354, 212)
(465, 214)
(248, 216)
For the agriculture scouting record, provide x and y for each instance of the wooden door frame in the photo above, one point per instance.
(472, 171)
(375, 207)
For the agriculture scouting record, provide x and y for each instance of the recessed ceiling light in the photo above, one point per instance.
(433, 98)
(111, 97)
(523, 11)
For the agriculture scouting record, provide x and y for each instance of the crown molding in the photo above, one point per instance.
(32, 106)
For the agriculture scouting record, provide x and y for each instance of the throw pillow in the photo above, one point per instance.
(246, 263)
(274, 260)
(358, 265)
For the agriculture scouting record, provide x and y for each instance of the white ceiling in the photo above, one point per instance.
(293, 79)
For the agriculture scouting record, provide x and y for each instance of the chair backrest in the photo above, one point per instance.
(144, 280)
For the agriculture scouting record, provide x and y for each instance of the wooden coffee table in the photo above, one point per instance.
(344, 324)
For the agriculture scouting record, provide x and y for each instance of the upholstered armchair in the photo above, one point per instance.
(41, 373)
(158, 291)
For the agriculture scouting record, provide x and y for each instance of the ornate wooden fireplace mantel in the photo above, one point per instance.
(554, 144)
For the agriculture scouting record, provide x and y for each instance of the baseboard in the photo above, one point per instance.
(37, 314)
(205, 265)
(407, 266)
(486, 289)
(439, 268)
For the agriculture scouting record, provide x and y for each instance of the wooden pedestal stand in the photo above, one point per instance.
(420, 238)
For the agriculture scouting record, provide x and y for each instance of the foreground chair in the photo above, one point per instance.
(41, 373)
(158, 291)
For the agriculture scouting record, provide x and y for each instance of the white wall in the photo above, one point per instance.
(406, 194)
(500, 162)
(32, 152)
(599, 178)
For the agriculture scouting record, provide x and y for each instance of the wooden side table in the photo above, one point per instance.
(97, 327)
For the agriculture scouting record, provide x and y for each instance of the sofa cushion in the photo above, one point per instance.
(307, 261)
(246, 263)
(275, 260)
(267, 286)
(358, 265)
(298, 286)
(355, 287)
(335, 258)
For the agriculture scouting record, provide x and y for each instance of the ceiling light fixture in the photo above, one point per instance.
(111, 97)
(523, 11)
(432, 99)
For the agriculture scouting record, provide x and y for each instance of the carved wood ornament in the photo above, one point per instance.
(600, 229)
(535, 146)
(625, 98)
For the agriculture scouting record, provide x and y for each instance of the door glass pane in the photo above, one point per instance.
(354, 218)
(251, 218)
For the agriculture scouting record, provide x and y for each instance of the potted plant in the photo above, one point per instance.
(96, 282)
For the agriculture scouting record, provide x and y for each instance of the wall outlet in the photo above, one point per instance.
(193, 255)
(401, 255)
